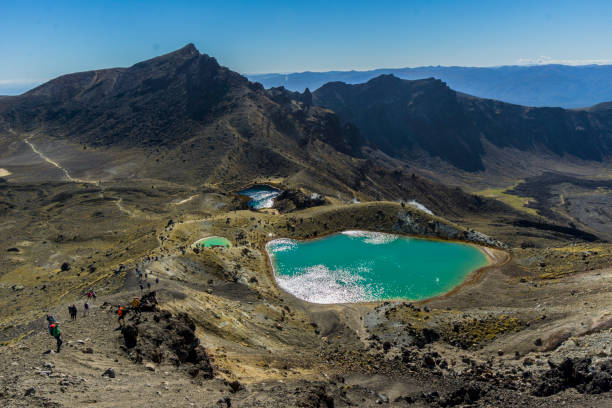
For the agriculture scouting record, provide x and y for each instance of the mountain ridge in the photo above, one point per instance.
(186, 120)
(566, 86)
(397, 115)
(183, 118)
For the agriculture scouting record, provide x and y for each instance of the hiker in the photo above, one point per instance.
(55, 332)
(156, 281)
(121, 312)
(73, 311)
(93, 295)
(136, 304)
(86, 309)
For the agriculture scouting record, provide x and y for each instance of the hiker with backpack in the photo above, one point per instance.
(54, 331)
(121, 312)
(73, 311)
(86, 309)
(136, 305)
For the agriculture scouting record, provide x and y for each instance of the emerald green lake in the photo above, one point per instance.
(213, 241)
(360, 266)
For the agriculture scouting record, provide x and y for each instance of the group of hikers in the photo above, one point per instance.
(144, 280)
(122, 311)
(135, 306)
(72, 309)
(53, 325)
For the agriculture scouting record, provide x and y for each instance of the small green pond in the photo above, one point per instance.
(210, 242)
(360, 266)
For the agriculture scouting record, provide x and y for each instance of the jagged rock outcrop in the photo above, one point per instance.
(416, 224)
(291, 200)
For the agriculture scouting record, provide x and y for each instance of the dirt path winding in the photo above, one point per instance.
(69, 177)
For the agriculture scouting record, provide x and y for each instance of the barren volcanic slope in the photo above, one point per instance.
(398, 115)
(486, 146)
(109, 177)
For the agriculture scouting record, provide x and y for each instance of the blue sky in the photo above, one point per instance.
(40, 40)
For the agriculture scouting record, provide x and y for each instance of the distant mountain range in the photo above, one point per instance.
(537, 85)
(221, 125)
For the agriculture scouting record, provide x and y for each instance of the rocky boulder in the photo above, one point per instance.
(292, 200)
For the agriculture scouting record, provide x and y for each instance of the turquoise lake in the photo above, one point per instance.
(261, 196)
(361, 266)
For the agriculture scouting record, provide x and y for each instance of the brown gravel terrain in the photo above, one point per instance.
(223, 334)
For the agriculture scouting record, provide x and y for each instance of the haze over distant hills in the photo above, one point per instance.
(538, 85)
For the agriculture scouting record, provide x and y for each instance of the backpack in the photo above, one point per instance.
(54, 331)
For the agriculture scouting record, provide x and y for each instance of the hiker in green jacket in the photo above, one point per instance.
(55, 332)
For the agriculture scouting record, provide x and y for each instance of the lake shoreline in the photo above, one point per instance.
(494, 257)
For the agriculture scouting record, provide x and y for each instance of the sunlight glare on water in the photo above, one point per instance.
(359, 266)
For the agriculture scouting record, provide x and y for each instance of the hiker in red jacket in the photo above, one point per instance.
(121, 312)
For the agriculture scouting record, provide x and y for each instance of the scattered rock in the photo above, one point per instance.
(467, 394)
(575, 373)
(110, 372)
(130, 335)
(235, 386)
(428, 361)
(29, 391)
(382, 399)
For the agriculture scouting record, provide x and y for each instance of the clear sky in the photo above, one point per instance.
(40, 40)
